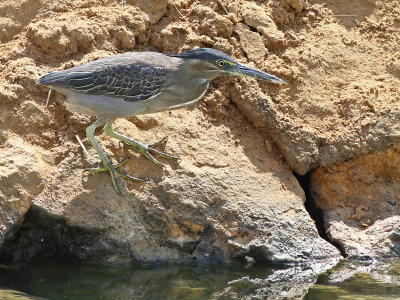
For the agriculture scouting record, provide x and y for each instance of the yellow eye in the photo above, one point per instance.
(221, 63)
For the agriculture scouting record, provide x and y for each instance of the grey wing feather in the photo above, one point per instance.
(133, 82)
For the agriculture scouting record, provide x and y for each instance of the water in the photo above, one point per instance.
(359, 280)
(51, 279)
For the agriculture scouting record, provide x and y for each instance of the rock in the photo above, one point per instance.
(154, 9)
(255, 16)
(394, 67)
(305, 150)
(15, 15)
(345, 120)
(8, 29)
(360, 201)
(127, 39)
(22, 173)
(59, 35)
(213, 24)
(8, 94)
(226, 199)
(232, 195)
(251, 43)
(298, 5)
(23, 73)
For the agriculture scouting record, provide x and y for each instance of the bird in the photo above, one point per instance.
(134, 83)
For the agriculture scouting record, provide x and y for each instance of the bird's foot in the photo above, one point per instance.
(112, 168)
(147, 150)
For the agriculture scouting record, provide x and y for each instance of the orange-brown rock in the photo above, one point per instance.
(342, 99)
(226, 198)
(233, 193)
(361, 203)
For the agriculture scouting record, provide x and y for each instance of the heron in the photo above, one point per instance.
(135, 83)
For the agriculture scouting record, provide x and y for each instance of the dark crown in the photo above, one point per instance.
(208, 54)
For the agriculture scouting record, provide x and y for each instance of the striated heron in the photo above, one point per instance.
(141, 83)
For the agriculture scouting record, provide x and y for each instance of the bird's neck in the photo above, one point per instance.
(197, 69)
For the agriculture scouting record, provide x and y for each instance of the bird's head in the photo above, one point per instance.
(211, 63)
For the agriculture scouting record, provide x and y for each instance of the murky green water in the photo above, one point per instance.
(50, 279)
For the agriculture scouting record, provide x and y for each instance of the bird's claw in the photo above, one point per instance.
(164, 139)
(146, 150)
(112, 168)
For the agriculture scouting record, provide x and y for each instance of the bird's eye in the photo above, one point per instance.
(221, 63)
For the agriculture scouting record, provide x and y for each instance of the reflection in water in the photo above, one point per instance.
(57, 280)
(51, 279)
(359, 280)
(15, 295)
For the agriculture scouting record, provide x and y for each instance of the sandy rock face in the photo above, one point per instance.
(226, 199)
(251, 42)
(230, 195)
(80, 30)
(360, 201)
(343, 95)
(256, 16)
(19, 163)
(233, 193)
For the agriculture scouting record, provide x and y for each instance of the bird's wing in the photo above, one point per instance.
(132, 81)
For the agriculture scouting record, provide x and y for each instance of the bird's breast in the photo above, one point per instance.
(196, 97)
(176, 96)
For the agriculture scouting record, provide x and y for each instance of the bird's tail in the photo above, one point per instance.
(51, 78)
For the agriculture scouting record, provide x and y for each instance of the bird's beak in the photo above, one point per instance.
(243, 70)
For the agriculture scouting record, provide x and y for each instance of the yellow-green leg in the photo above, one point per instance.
(107, 165)
(146, 150)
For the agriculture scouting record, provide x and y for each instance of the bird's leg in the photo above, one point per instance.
(107, 165)
(146, 150)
